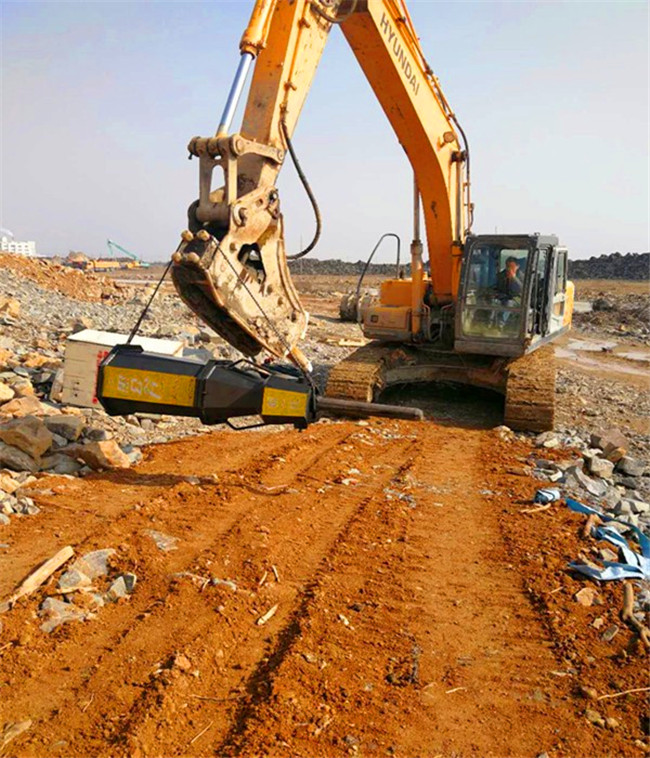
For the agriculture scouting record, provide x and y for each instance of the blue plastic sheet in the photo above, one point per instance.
(633, 564)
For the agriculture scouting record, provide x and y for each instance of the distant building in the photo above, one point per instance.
(9, 245)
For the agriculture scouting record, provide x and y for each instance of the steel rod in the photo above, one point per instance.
(357, 408)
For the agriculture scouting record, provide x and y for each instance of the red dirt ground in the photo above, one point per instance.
(419, 610)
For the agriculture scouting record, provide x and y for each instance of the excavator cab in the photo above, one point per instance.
(513, 294)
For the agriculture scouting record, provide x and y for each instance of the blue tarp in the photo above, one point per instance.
(633, 565)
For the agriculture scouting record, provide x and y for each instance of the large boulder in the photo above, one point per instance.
(612, 442)
(15, 459)
(22, 406)
(28, 434)
(100, 455)
(631, 466)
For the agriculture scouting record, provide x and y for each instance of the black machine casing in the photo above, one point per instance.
(133, 381)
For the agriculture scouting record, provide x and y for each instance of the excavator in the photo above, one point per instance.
(481, 311)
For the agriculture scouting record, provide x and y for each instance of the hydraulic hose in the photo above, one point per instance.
(308, 190)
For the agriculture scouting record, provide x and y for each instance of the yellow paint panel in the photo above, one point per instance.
(568, 305)
(148, 386)
(283, 403)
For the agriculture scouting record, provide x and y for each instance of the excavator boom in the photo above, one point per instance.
(231, 266)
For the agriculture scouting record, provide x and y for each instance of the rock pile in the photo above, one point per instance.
(605, 474)
(617, 314)
(631, 266)
(39, 433)
(79, 595)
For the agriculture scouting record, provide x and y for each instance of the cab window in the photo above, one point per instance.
(494, 291)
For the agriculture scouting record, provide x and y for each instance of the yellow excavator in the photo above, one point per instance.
(481, 311)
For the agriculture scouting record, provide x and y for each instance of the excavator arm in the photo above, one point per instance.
(231, 265)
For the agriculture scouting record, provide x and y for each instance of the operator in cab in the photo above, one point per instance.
(509, 285)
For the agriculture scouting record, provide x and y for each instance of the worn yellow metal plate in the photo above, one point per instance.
(283, 403)
(148, 386)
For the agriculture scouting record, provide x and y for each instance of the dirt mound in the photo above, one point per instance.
(69, 282)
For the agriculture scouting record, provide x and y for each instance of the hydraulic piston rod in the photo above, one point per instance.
(235, 94)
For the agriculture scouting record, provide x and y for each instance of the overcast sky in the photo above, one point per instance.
(99, 100)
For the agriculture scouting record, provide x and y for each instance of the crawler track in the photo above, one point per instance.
(530, 392)
(528, 382)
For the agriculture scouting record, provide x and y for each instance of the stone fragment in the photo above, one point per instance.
(577, 479)
(611, 438)
(590, 693)
(58, 441)
(181, 662)
(605, 554)
(9, 306)
(96, 435)
(586, 596)
(609, 633)
(56, 393)
(100, 455)
(614, 454)
(28, 434)
(60, 463)
(27, 507)
(547, 440)
(6, 393)
(624, 507)
(8, 484)
(66, 426)
(611, 498)
(4, 519)
(611, 722)
(123, 586)
(94, 564)
(594, 717)
(630, 466)
(11, 730)
(23, 406)
(638, 506)
(59, 612)
(8, 504)
(163, 542)
(23, 388)
(15, 459)
(600, 467)
(73, 578)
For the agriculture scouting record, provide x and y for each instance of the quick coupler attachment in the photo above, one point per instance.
(131, 380)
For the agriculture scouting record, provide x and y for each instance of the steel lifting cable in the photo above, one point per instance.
(134, 331)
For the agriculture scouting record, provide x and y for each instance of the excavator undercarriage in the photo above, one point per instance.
(528, 383)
